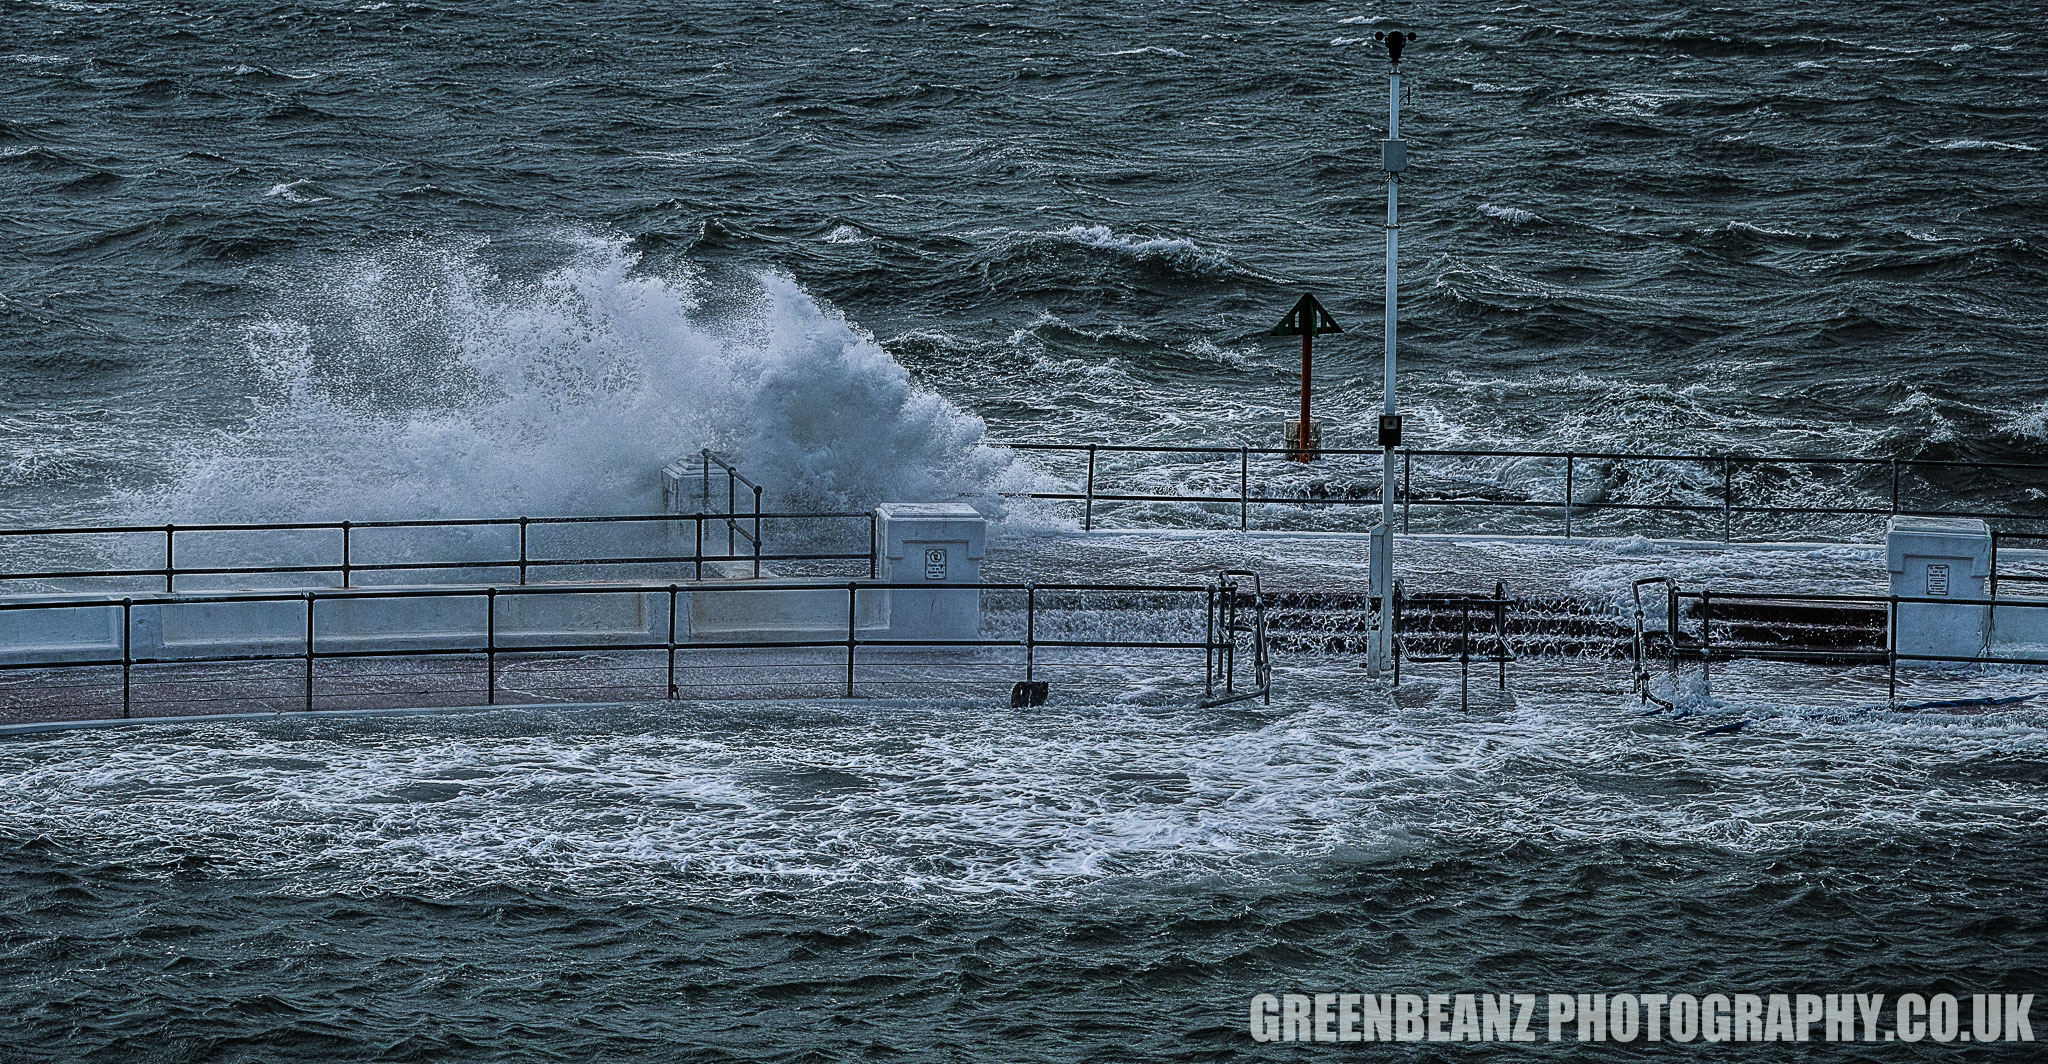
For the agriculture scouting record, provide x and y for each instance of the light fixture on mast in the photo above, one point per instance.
(1393, 159)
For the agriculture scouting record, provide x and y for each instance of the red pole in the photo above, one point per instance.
(1301, 439)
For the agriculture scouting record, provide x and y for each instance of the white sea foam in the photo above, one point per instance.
(1981, 145)
(801, 805)
(1763, 230)
(1101, 236)
(414, 382)
(2031, 424)
(846, 234)
(247, 69)
(1510, 215)
(1153, 49)
(301, 191)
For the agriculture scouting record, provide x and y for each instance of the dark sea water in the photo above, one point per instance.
(395, 259)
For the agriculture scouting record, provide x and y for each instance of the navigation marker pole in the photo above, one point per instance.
(1393, 159)
(1307, 320)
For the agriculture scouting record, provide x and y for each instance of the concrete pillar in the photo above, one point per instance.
(934, 543)
(1940, 557)
(1380, 576)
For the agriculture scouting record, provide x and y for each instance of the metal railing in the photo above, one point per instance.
(734, 479)
(1704, 649)
(1999, 538)
(1226, 613)
(1232, 615)
(1726, 475)
(1493, 607)
(346, 565)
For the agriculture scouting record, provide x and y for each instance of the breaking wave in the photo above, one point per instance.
(415, 381)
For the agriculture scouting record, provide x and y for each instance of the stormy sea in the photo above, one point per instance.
(458, 258)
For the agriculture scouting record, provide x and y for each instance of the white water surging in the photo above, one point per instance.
(415, 381)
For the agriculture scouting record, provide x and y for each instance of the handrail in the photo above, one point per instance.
(1503, 654)
(1998, 537)
(1727, 507)
(1889, 655)
(1640, 650)
(188, 598)
(733, 477)
(1219, 654)
(347, 565)
(1419, 452)
(1223, 610)
(426, 522)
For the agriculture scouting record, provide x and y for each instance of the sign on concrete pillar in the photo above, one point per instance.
(936, 543)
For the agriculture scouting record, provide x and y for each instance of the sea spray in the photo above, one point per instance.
(415, 380)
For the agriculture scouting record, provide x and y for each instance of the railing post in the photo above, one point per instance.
(852, 590)
(672, 642)
(346, 557)
(731, 544)
(1500, 630)
(1244, 501)
(1031, 633)
(127, 655)
(1465, 655)
(700, 545)
(1727, 501)
(1671, 632)
(1394, 629)
(704, 492)
(170, 558)
(1226, 651)
(1641, 678)
(1570, 469)
(309, 652)
(874, 545)
(1706, 637)
(522, 552)
(1994, 570)
(1209, 642)
(1407, 489)
(490, 646)
(1891, 648)
(757, 531)
(1895, 487)
(1088, 511)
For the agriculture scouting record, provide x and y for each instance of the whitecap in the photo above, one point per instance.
(1981, 145)
(1102, 236)
(301, 191)
(1510, 215)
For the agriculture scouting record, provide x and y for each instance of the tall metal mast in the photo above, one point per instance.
(1393, 159)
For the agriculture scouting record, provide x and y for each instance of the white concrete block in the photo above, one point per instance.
(937, 544)
(84, 633)
(1940, 557)
(783, 613)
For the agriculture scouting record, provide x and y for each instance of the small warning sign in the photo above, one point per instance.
(935, 565)
(1937, 579)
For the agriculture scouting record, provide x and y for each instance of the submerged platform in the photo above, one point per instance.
(914, 613)
(201, 619)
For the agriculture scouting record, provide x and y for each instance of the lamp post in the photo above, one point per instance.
(1393, 159)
